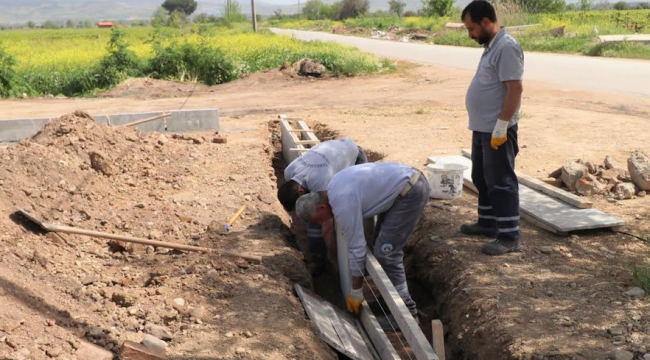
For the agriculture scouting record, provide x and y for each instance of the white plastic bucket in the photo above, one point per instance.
(446, 180)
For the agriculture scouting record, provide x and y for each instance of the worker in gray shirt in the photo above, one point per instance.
(396, 193)
(311, 172)
(492, 102)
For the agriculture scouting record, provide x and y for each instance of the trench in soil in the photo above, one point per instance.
(431, 274)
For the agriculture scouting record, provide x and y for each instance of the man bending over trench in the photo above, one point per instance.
(312, 172)
(396, 193)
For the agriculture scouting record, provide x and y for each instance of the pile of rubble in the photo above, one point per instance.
(609, 179)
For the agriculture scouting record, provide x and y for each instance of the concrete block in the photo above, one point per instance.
(121, 119)
(20, 129)
(135, 351)
(178, 121)
(193, 120)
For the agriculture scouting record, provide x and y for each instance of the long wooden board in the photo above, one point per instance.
(409, 328)
(567, 197)
(337, 328)
(378, 337)
(557, 215)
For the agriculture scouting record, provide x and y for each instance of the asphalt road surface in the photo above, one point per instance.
(630, 77)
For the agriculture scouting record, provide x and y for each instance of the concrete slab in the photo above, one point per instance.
(193, 120)
(20, 129)
(178, 121)
(558, 215)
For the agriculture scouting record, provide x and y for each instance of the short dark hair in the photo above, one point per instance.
(479, 9)
(288, 195)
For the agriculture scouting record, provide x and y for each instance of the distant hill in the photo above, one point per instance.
(22, 11)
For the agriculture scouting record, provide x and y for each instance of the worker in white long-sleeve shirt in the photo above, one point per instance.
(396, 193)
(312, 172)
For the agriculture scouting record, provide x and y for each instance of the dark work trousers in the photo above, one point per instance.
(315, 241)
(394, 228)
(493, 174)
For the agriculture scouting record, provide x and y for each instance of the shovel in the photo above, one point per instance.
(72, 230)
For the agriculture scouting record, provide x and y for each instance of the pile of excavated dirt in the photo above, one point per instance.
(61, 294)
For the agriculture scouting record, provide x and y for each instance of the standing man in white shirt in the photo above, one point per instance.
(396, 193)
(312, 172)
(493, 101)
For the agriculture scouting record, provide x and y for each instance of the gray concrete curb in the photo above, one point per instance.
(179, 121)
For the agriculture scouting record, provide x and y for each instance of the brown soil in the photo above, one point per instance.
(162, 188)
(530, 305)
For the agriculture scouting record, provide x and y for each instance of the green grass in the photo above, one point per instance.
(581, 30)
(68, 61)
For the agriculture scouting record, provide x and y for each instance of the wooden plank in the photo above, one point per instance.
(438, 338)
(410, 329)
(378, 337)
(557, 215)
(289, 140)
(307, 142)
(337, 328)
(342, 257)
(308, 135)
(567, 197)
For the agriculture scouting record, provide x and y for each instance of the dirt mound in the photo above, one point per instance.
(146, 88)
(58, 292)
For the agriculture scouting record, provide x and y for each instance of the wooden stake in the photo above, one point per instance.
(438, 335)
(146, 120)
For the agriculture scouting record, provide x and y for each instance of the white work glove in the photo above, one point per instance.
(355, 298)
(499, 134)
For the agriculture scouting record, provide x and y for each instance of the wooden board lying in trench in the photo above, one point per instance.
(545, 211)
(337, 328)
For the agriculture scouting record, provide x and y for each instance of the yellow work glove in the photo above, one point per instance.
(355, 298)
(499, 134)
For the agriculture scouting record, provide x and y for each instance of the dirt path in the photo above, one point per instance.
(531, 305)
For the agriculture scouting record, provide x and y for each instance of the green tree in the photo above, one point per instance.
(178, 19)
(160, 17)
(205, 19)
(87, 24)
(585, 5)
(621, 5)
(316, 10)
(69, 24)
(185, 6)
(410, 13)
(232, 12)
(49, 24)
(31, 24)
(353, 8)
(396, 7)
(643, 5)
(543, 6)
(437, 7)
(7, 72)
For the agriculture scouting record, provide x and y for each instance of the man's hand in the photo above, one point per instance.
(355, 298)
(499, 134)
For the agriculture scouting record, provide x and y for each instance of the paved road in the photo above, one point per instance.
(624, 76)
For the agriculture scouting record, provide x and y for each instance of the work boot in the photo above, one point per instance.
(476, 229)
(500, 247)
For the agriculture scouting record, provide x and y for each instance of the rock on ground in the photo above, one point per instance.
(623, 355)
(624, 191)
(308, 67)
(572, 172)
(639, 167)
(99, 162)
